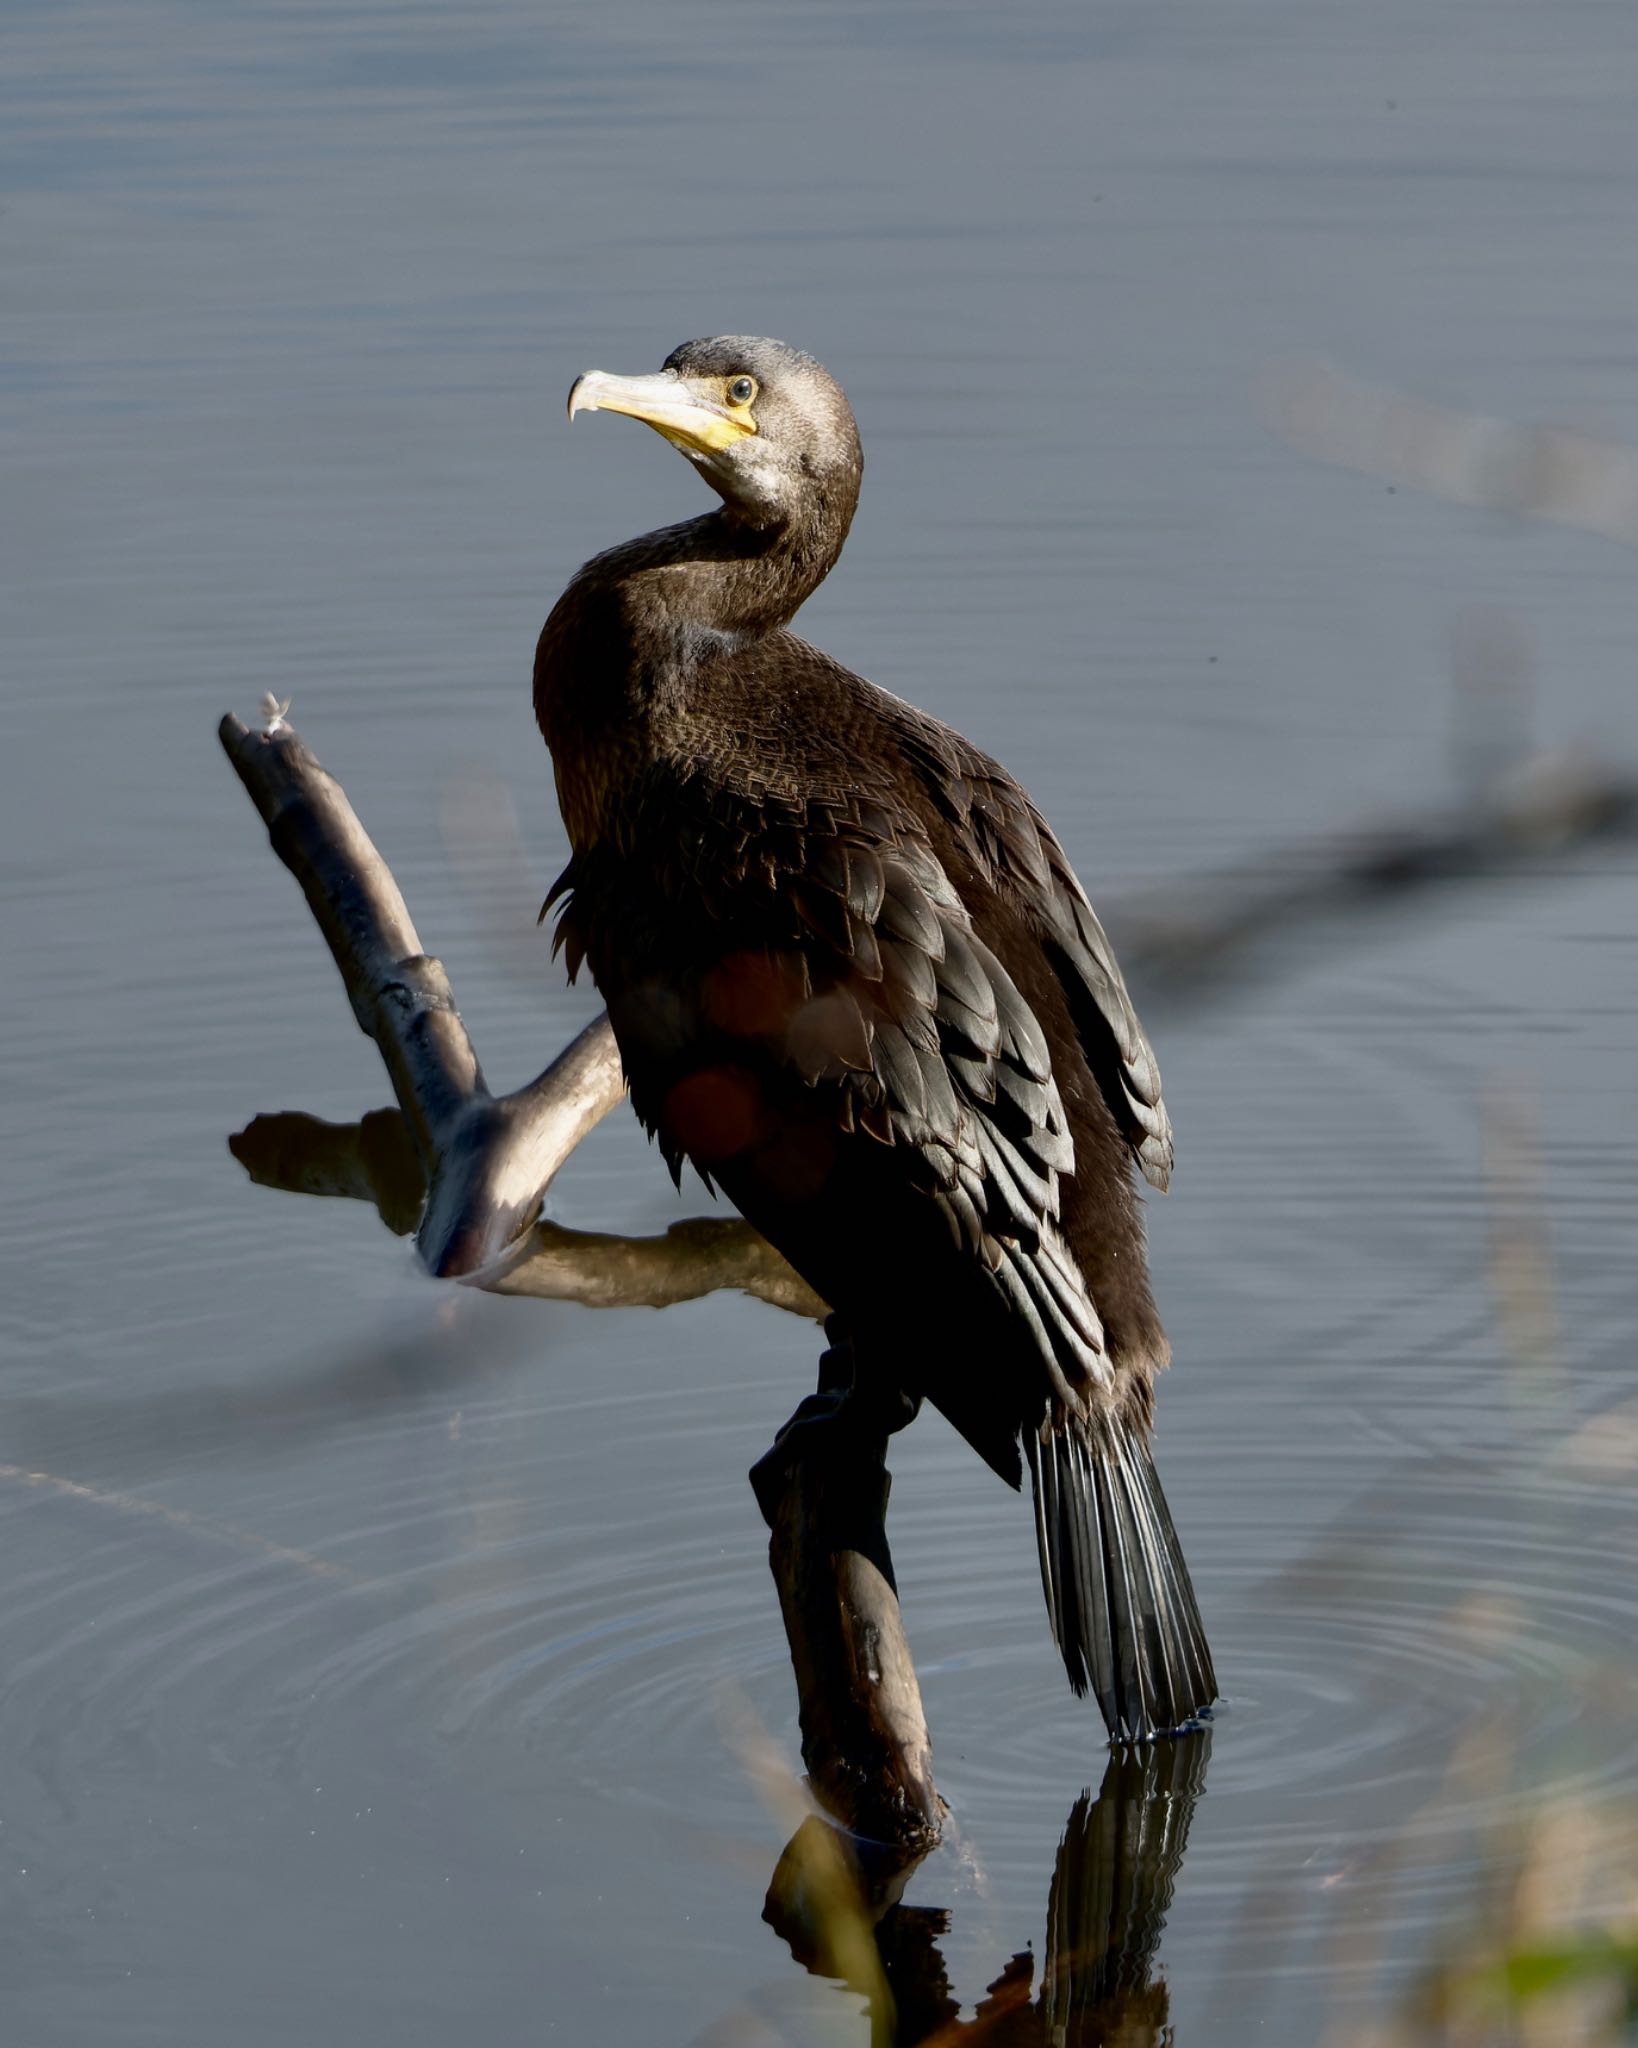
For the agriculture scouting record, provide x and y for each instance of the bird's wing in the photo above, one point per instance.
(1019, 856)
(856, 972)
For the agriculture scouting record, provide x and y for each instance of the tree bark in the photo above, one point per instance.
(823, 1492)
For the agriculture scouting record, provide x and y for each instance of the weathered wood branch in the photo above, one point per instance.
(375, 1161)
(487, 1160)
(823, 1492)
(483, 1164)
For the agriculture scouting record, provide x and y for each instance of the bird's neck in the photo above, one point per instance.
(716, 574)
(637, 632)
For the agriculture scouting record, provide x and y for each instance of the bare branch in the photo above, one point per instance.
(864, 1731)
(485, 1164)
(375, 1161)
(823, 1491)
(701, 1255)
(501, 1154)
(487, 1160)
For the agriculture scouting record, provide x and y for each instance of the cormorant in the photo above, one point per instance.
(855, 981)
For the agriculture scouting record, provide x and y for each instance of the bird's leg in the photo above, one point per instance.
(845, 1424)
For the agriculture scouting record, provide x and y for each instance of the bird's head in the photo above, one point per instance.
(764, 424)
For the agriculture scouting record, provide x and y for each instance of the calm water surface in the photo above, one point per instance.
(377, 1657)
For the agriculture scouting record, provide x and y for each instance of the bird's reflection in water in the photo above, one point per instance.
(839, 1910)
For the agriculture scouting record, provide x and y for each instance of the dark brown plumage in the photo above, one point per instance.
(855, 981)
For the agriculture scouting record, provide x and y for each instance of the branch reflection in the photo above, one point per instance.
(837, 1906)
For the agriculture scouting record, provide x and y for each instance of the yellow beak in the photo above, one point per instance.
(666, 403)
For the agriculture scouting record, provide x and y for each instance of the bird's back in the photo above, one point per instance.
(815, 912)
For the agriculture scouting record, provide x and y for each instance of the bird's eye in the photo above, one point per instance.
(741, 390)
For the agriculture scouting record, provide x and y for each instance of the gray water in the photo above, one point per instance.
(377, 1657)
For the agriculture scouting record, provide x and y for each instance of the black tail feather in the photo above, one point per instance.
(1123, 1610)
